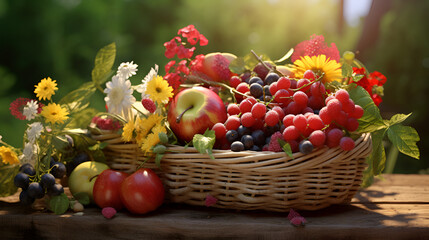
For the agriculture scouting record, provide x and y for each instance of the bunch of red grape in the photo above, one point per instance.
(302, 113)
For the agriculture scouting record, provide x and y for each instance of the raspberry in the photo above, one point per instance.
(273, 88)
(323, 114)
(315, 122)
(317, 138)
(300, 122)
(334, 107)
(282, 96)
(220, 130)
(271, 118)
(333, 137)
(233, 109)
(342, 95)
(280, 111)
(274, 145)
(309, 74)
(358, 113)
(232, 123)
(352, 124)
(347, 144)
(288, 120)
(293, 145)
(300, 98)
(234, 81)
(247, 119)
(245, 106)
(290, 133)
(283, 83)
(303, 82)
(108, 212)
(258, 110)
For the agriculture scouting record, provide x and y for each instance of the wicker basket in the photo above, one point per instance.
(251, 180)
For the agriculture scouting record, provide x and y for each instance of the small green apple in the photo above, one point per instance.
(83, 177)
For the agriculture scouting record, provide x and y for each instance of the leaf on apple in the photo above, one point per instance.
(204, 142)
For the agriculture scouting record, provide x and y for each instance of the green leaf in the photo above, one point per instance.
(158, 158)
(59, 204)
(371, 120)
(286, 147)
(82, 118)
(377, 159)
(347, 70)
(103, 64)
(78, 99)
(368, 177)
(7, 174)
(204, 143)
(60, 142)
(286, 56)
(357, 78)
(238, 65)
(396, 119)
(405, 138)
(82, 198)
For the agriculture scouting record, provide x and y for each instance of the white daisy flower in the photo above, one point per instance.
(119, 97)
(127, 69)
(30, 110)
(141, 88)
(28, 153)
(34, 131)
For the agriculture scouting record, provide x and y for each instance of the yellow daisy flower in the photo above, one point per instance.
(159, 128)
(54, 113)
(159, 90)
(45, 89)
(150, 141)
(8, 156)
(319, 64)
(127, 134)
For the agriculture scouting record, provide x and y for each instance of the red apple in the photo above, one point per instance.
(142, 191)
(216, 66)
(193, 111)
(107, 189)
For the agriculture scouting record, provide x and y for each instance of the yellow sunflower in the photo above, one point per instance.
(54, 113)
(8, 156)
(128, 130)
(319, 65)
(159, 90)
(45, 89)
(159, 128)
(150, 141)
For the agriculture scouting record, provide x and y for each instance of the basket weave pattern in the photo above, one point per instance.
(250, 180)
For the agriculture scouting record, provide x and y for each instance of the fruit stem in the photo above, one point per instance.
(181, 115)
(265, 65)
(93, 177)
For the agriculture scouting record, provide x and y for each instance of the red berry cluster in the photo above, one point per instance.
(106, 123)
(300, 112)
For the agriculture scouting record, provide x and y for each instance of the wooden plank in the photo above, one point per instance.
(386, 210)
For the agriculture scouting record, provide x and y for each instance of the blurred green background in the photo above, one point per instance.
(60, 38)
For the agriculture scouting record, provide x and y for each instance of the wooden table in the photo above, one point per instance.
(394, 208)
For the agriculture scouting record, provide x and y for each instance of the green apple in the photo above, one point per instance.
(82, 178)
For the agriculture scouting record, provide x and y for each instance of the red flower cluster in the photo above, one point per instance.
(17, 107)
(369, 82)
(176, 70)
(315, 46)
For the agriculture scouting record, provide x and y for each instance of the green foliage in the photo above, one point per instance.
(204, 142)
(59, 204)
(7, 174)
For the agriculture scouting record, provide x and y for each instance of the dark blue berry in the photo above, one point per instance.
(305, 147)
(27, 169)
(258, 137)
(232, 136)
(256, 90)
(25, 199)
(270, 78)
(242, 130)
(21, 180)
(35, 190)
(47, 180)
(55, 190)
(247, 141)
(237, 146)
(267, 90)
(58, 170)
(256, 80)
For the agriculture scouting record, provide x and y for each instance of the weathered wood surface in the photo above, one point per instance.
(395, 208)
